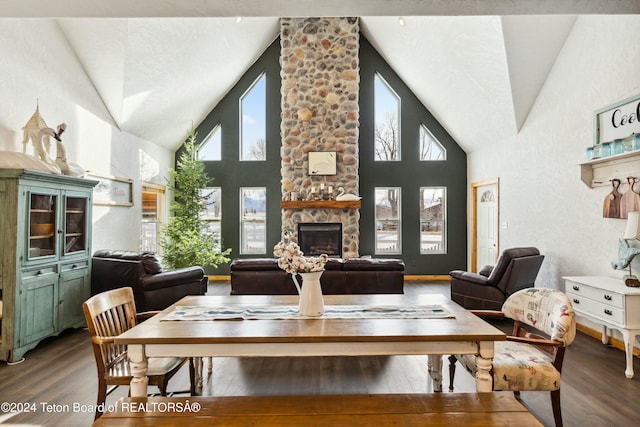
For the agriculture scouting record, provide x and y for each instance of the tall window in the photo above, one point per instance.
(432, 220)
(388, 220)
(253, 207)
(430, 148)
(210, 149)
(253, 106)
(211, 213)
(386, 121)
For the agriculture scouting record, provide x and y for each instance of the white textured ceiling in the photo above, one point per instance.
(159, 66)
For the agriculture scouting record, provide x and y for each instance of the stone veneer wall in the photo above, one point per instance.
(320, 112)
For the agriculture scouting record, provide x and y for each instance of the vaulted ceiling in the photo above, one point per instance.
(160, 66)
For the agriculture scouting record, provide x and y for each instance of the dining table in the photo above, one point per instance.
(351, 325)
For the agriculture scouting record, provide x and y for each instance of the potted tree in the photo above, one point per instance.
(186, 240)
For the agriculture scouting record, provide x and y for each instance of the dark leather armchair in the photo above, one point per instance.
(517, 268)
(153, 288)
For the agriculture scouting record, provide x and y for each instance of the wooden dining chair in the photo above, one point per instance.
(108, 315)
(528, 361)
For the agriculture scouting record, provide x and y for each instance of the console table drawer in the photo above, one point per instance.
(599, 295)
(593, 308)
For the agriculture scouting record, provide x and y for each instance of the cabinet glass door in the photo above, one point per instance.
(75, 230)
(42, 225)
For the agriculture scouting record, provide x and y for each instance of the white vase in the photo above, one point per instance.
(311, 300)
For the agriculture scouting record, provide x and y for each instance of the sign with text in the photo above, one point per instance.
(618, 121)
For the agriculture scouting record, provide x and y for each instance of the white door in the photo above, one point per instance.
(487, 217)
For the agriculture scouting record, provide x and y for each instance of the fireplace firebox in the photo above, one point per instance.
(320, 238)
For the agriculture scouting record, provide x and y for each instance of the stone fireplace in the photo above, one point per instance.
(320, 113)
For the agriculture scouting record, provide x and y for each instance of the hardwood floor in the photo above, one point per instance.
(58, 379)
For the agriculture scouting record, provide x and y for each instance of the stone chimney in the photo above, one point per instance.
(320, 73)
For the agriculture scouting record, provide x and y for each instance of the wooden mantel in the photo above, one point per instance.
(320, 204)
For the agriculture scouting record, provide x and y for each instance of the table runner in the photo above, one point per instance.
(195, 313)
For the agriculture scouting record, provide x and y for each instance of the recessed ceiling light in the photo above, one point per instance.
(401, 21)
(238, 19)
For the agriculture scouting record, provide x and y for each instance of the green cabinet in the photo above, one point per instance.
(45, 270)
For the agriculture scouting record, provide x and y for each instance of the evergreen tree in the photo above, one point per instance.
(186, 241)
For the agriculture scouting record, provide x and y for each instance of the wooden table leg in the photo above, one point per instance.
(434, 366)
(484, 380)
(138, 365)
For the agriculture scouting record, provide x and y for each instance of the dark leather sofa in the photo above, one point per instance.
(517, 268)
(153, 288)
(262, 276)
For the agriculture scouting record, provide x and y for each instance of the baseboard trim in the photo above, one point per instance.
(432, 278)
(613, 342)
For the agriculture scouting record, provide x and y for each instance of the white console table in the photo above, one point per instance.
(608, 301)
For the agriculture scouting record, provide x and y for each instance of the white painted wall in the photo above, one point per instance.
(38, 66)
(542, 197)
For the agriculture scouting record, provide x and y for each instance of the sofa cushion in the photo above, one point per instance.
(118, 254)
(373, 264)
(254, 264)
(334, 264)
(151, 263)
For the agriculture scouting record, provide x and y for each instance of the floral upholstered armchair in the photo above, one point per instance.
(527, 361)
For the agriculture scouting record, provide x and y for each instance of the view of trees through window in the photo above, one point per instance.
(432, 220)
(211, 212)
(253, 233)
(388, 220)
(430, 148)
(386, 121)
(253, 119)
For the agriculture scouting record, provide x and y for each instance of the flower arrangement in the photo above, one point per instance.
(292, 260)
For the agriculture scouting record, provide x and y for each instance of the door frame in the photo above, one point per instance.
(474, 218)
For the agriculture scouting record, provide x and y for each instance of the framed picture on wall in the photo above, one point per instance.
(111, 190)
(322, 163)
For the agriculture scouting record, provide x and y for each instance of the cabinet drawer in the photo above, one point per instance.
(596, 309)
(38, 272)
(75, 265)
(600, 295)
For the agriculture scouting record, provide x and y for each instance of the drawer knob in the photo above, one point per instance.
(576, 287)
(576, 301)
(607, 297)
(608, 312)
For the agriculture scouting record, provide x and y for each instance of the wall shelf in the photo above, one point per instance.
(599, 172)
(320, 204)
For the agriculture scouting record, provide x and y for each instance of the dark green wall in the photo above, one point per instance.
(231, 173)
(410, 173)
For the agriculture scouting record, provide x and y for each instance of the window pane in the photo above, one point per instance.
(253, 234)
(388, 220)
(430, 148)
(432, 220)
(387, 121)
(210, 147)
(211, 213)
(253, 118)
